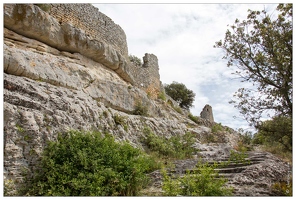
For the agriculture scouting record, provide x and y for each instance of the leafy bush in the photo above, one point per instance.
(202, 181)
(277, 131)
(161, 96)
(140, 109)
(275, 136)
(238, 157)
(217, 127)
(178, 109)
(283, 188)
(9, 187)
(119, 120)
(180, 93)
(88, 164)
(175, 147)
(245, 141)
(193, 118)
(134, 59)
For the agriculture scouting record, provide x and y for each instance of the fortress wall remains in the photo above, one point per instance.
(94, 23)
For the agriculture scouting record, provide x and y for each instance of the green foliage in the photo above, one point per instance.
(238, 157)
(180, 93)
(217, 127)
(140, 109)
(178, 109)
(245, 140)
(261, 49)
(161, 96)
(284, 188)
(105, 113)
(175, 147)
(44, 7)
(193, 118)
(9, 187)
(88, 164)
(119, 120)
(20, 129)
(202, 181)
(217, 137)
(134, 59)
(277, 131)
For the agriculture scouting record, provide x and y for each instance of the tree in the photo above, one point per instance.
(261, 48)
(179, 92)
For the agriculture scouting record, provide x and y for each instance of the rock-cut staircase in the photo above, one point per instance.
(230, 169)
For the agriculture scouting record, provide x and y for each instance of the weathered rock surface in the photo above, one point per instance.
(22, 19)
(57, 78)
(251, 178)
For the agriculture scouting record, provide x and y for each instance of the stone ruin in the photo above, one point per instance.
(207, 113)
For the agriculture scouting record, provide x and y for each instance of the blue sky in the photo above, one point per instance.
(182, 37)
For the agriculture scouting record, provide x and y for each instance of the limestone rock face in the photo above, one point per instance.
(30, 21)
(58, 77)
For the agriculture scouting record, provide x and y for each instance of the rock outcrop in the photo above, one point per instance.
(60, 75)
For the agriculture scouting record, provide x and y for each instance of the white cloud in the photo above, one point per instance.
(182, 37)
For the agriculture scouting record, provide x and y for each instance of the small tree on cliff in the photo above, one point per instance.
(261, 48)
(180, 93)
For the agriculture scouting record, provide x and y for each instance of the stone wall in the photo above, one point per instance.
(207, 113)
(147, 76)
(95, 24)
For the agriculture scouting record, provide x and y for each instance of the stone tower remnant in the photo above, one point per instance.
(207, 113)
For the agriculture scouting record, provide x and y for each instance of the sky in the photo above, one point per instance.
(182, 37)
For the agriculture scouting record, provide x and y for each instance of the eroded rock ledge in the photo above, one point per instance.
(32, 22)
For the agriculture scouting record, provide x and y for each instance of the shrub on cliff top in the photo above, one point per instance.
(180, 93)
(134, 59)
(87, 164)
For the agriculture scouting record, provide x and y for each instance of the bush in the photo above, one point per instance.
(134, 59)
(180, 93)
(217, 127)
(193, 118)
(283, 188)
(140, 109)
(202, 181)
(175, 147)
(119, 120)
(238, 157)
(161, 96)
(178, 109)
(88, 164)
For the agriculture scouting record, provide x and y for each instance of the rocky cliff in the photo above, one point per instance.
(60, 74)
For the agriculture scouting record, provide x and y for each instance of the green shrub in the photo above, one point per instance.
(238, 157)
(193, 118)
(19, 128)
(201, 181)
(161, 96)
(217, 127)
(283, 188)
(140, 109)
(134, 59)
(175, 147)
(9, 187)
(178, 109)
(119, 120)
(44, 7)
(88, 164)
